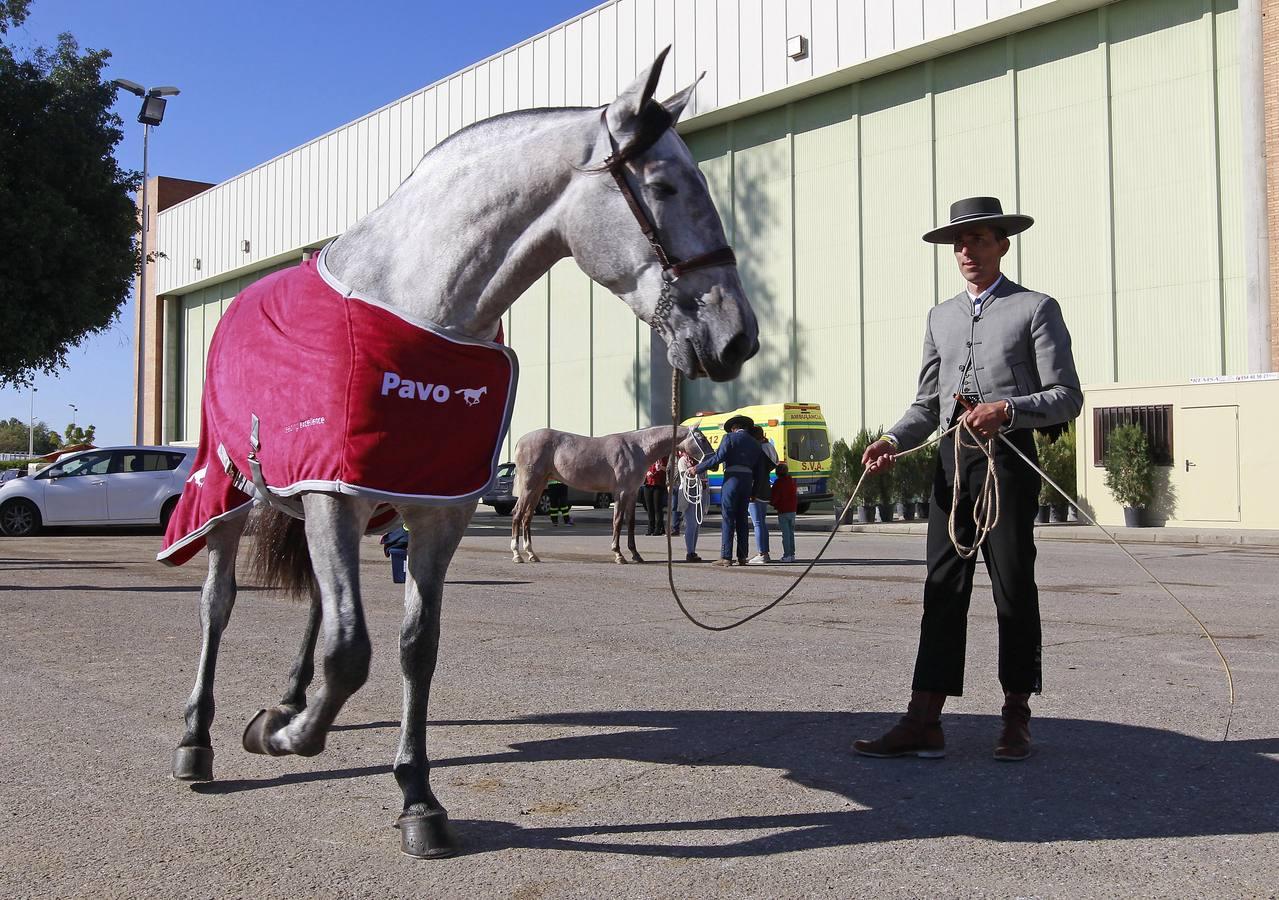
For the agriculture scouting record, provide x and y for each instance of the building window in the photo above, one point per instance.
(1155, 421)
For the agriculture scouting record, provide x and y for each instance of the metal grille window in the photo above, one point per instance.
(1155, 421)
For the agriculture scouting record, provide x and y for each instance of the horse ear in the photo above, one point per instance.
(622, 111)
(675, 105)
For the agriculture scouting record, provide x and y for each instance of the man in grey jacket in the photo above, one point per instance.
(1006, 351)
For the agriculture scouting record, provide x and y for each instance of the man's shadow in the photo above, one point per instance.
(1089, 780)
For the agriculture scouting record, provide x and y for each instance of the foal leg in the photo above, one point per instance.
(334, 526)
(423, 823)
(193, 759)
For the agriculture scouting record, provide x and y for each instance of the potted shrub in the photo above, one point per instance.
(865, 507)
(1130, 476)
(881, 488)
(843, 477)
(926, 463)
(907, 477)
(1064, 474)
(1044, 449)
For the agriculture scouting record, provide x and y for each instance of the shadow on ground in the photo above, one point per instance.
(1089, 780)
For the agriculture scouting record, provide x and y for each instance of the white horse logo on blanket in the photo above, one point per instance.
(472, 395)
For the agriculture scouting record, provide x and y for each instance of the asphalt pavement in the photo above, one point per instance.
(589, 741)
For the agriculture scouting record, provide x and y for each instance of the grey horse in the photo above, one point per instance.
(614, 463)
(485, 214)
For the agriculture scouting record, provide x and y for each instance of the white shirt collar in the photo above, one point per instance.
(986, 293)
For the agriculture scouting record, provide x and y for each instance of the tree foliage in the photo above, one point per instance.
(14, 437)
(67, 237)
(75, 434)
(1130, 473)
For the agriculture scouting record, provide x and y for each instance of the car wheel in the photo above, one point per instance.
(503, 509)
(603, 501)
(543, 505)
(803, 508)
(19, 518)
(166, 512)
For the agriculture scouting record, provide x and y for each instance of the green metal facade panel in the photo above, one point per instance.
(1118, 129)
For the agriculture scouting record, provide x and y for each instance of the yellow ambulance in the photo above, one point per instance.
(797, 431)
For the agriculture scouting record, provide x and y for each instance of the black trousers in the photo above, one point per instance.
(1009, 554)
(655, 506)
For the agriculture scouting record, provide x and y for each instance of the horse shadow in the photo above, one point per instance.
(1089, 780)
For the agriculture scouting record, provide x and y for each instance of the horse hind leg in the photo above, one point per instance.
(294, 699)
(334, 526)
(630, 533)
(619, 517)
(193, 758)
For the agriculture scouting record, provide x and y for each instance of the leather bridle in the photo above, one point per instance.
(654, 122)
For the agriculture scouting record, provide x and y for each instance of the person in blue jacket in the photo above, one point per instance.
(739, 454)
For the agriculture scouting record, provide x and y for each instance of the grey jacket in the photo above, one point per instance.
(1018, 349)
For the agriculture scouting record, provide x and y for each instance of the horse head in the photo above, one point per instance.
(679, 277)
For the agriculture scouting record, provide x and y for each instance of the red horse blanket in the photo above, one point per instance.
(310, 387)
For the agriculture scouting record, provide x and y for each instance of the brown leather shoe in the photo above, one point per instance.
(917, 734)
(1014, 739)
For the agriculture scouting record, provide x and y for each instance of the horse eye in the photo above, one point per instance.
(661, 189)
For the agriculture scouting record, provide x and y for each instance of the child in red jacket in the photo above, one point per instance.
(786, 501)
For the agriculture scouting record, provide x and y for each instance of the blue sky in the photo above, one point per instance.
(257, 78)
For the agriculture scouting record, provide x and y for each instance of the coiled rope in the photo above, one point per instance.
(985, 518)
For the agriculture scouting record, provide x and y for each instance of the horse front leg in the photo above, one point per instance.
(423, 823)
(193, 758)
(334, 526)
(630, 531)
(619, 517)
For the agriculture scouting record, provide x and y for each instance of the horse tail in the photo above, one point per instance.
(280, 558)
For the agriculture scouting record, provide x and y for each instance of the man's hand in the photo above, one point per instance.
(879, 456)
(987, 418)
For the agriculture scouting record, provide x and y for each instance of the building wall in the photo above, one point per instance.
(314, 192)
(1117, 127)
(1223, 435)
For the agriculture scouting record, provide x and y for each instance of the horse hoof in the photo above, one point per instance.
(619, 560)
(516, 559)
(193, 764)
(534, 558)
(427, 837)
(258, 732)
(637, 558)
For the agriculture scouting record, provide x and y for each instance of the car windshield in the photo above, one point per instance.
(506, 470)
(807, 444)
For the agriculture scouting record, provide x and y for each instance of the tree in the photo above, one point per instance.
(74, 434)
(67, 237)
(14, 437)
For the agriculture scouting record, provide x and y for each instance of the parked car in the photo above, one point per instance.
(11, 474)
(107, 486)
(502, 497)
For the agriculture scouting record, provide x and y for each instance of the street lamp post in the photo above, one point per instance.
(152, 113)
(31, 428)
(74, 408)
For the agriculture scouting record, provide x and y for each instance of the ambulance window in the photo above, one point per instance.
(807, 444)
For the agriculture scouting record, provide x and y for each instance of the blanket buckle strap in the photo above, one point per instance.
(289, 505)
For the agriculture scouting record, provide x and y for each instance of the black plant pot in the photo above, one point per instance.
(850, 517)
(1135, 517)
(1044, 512)
(921, 509)
(908, 511)
(1061, 512)
(865, 514)
(886, 512)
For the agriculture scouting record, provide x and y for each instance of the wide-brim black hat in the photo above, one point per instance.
(965, 214)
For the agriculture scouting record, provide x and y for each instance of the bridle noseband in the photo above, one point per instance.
(655, 121)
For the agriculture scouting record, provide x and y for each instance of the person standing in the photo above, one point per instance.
(693, 501)
(1006, 351)
(655, 496)
(785, 500)
(557, 502)
(759, 496)
(740, 454)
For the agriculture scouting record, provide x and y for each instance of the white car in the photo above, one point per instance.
(110, 486)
